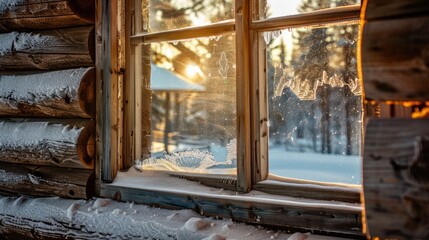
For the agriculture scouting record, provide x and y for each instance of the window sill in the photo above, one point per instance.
(158, 189)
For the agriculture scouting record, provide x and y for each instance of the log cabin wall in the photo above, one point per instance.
(47, 97)
(395, 73)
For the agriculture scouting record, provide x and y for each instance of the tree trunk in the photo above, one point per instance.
(46, 14)
(65, 93)
(47, 50)
(60, 143)
(46, 181)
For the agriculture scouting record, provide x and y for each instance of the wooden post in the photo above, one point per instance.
(60, 143)
(47, 50)
(107, 89)
(65, 93)
(46, 14)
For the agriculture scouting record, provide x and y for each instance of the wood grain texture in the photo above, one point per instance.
(382, 9)
(395, 59)
(46, 14)
(60, 143)
(310, 191)
(107, 89)
(395, 178)
(66, 93)
(47, 50)
(46, 181)
(281, 215)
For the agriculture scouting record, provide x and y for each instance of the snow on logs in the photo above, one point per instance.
(46, 181)
(59, 143)
(24, 15)
(64, 93)
(47, 50)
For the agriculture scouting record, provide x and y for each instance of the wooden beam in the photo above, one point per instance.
(60, 143)
(395, 178)
(315, 219)
(65, 93)
(107, 91)
(395, 59)
(46, 14)
(383, 9)
(244, 133)
(46, 181)
(47, 50)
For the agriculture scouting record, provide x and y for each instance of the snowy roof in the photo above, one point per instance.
(164, 80)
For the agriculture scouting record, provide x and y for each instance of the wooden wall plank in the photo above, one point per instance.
(46, 181)
(395, 59)
(107, 92)
(47, 50)
(60, 143)
(65, 93)
(46, 14)
(395, 178)
(281, 215)
(381, 9)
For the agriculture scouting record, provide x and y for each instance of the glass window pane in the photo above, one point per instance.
(315, 105)
(193, 106)
(279, 8)
(161, 15)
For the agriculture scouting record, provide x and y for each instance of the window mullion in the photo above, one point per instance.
(244, 136)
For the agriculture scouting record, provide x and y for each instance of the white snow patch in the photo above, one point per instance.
(23, 42)
(215, 236)
(40, 88)
(50, 214)
(195, 224)
(101, 202)
(34, 179)
(117, 211)
(71, 211)
(6, 5)
(299, 236)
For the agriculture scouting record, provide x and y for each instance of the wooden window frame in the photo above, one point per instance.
(119, 130)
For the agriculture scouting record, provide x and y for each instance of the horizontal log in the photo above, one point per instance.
(25, 15)
(17, 179)
(381, 9)
(47, 50)
(396, 179)
(395, 59)
(60, 143)
(65, 93)
(315, 219)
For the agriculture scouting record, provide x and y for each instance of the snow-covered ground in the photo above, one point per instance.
(315, 166)
(300, 165)
(108, 219)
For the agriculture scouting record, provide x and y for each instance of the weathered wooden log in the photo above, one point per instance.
(65, 93)
(24, 15)
(395, 59)
(47, 50)
(46, 181)
(381, 9)
(396, 178)
(60, 143)
(304, 217)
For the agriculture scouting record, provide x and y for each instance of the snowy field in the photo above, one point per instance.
(315, 166)
(301, 165)
(108, 219)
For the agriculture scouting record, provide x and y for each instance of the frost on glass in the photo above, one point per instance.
(160, 15)
(315, 105)
(193, 115)
(278, 8)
